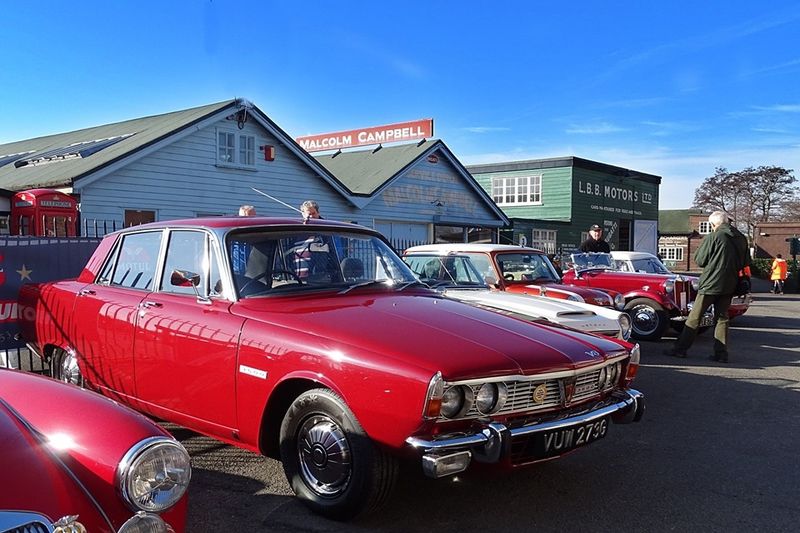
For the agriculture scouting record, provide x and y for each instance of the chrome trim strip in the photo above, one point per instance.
(611, 358)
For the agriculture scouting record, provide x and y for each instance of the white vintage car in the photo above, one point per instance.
(458, 279)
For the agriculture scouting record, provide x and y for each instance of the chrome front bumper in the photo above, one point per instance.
(492, 443)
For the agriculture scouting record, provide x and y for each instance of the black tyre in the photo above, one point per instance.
(331, 464)
(648, 319)
(64, 367)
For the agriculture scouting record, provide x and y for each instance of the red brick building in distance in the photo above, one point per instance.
(770, 238)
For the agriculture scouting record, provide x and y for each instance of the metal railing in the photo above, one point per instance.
(21, 358)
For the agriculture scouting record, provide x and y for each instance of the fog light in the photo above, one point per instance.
(445, 465)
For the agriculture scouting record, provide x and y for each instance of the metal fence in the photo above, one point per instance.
(23, 359)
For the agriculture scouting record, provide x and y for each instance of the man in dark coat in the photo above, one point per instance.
(595, 242)
(723, 254)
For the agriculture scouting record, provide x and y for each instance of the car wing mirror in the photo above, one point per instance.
(184, 278)
(187, 278)
(491, 280)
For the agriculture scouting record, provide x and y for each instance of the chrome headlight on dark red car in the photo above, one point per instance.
(154, 474)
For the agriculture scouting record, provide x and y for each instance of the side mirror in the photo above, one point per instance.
(184, 278)
(491, 280)
(187, 278)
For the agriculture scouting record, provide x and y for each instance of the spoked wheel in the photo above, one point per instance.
(330, 462)
(64, 367)
(648, 319)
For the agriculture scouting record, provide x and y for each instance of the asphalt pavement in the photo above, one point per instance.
(716, 451)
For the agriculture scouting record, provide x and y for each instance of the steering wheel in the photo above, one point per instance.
(289, 272)
(251, 281)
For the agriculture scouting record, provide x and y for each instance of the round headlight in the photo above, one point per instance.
(601, 378)
(143, 522)
(669, 285)
(695, 283)
(625, 325)
(154, 474)
(491, 397)
(619, 302)
(456, 401)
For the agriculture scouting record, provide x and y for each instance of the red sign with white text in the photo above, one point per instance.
(402, 131)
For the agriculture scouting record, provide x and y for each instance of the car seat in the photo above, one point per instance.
(352, 268)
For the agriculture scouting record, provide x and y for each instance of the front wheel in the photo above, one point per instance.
(330, 462)
(64, 367)
(648, 319)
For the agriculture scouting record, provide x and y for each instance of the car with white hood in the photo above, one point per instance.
(455, 276)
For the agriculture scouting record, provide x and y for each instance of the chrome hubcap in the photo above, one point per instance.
(324, 453)
(645, 320)
(70, 373)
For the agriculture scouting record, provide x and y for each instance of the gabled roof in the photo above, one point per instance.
(62, 159)
(141, 132)
(676, 221)
(366, 173)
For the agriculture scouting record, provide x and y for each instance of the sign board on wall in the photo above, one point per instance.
(402, 131)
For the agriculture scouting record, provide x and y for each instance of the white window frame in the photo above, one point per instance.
(517, 190)
(671, 253)
(704, 228)
(544, 240)
(238, 150)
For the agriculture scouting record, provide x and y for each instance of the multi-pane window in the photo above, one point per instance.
(520, 190)
(247, 150)
(544, 240)
(237, 150)
(705, 227)
(671, 253)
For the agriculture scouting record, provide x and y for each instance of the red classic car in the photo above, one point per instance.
(654, 301)
(314, 343)
(646, 262)
(73, 461)
(522, 270)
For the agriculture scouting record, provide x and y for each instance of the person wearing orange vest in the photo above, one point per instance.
(778, 275)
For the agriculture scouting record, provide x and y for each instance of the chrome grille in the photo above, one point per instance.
(32, 527)
(23, 522)
(520, 391)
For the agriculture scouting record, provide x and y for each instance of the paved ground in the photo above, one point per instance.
(717, 451)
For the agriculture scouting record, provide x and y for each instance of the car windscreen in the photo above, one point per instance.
(592, 261)
(653, 266)
(445, 271)
(526, 267)
(268, 262)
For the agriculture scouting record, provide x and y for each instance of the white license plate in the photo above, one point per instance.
(562, 440)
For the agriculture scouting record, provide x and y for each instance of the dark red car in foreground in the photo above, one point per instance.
(73, 460)
(316, 344)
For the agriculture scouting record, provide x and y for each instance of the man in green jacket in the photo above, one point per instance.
(723, 254)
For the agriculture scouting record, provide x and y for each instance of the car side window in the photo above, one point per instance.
(481, 262)
(186, 251)
(136, 263)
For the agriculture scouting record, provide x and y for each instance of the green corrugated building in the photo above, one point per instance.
(552, 202)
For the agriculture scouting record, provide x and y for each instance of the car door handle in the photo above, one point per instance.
(86, 292)
(148, 304)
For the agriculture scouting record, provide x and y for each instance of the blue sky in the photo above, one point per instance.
(669, 88)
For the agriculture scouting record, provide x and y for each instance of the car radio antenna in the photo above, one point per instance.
(276, 200)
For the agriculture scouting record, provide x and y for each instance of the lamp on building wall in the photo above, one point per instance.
(269, 152)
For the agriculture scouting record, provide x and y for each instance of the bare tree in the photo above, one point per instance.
(750, 196)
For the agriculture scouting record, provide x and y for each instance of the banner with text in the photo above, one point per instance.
(402, 131)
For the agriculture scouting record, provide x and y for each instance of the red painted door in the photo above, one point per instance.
(186, 347)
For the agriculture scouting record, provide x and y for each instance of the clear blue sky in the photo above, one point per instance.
(670, 88)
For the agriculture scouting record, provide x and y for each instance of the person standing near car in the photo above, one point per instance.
(310, 209)
(722, 254)
(778, 274)
(595, 242)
